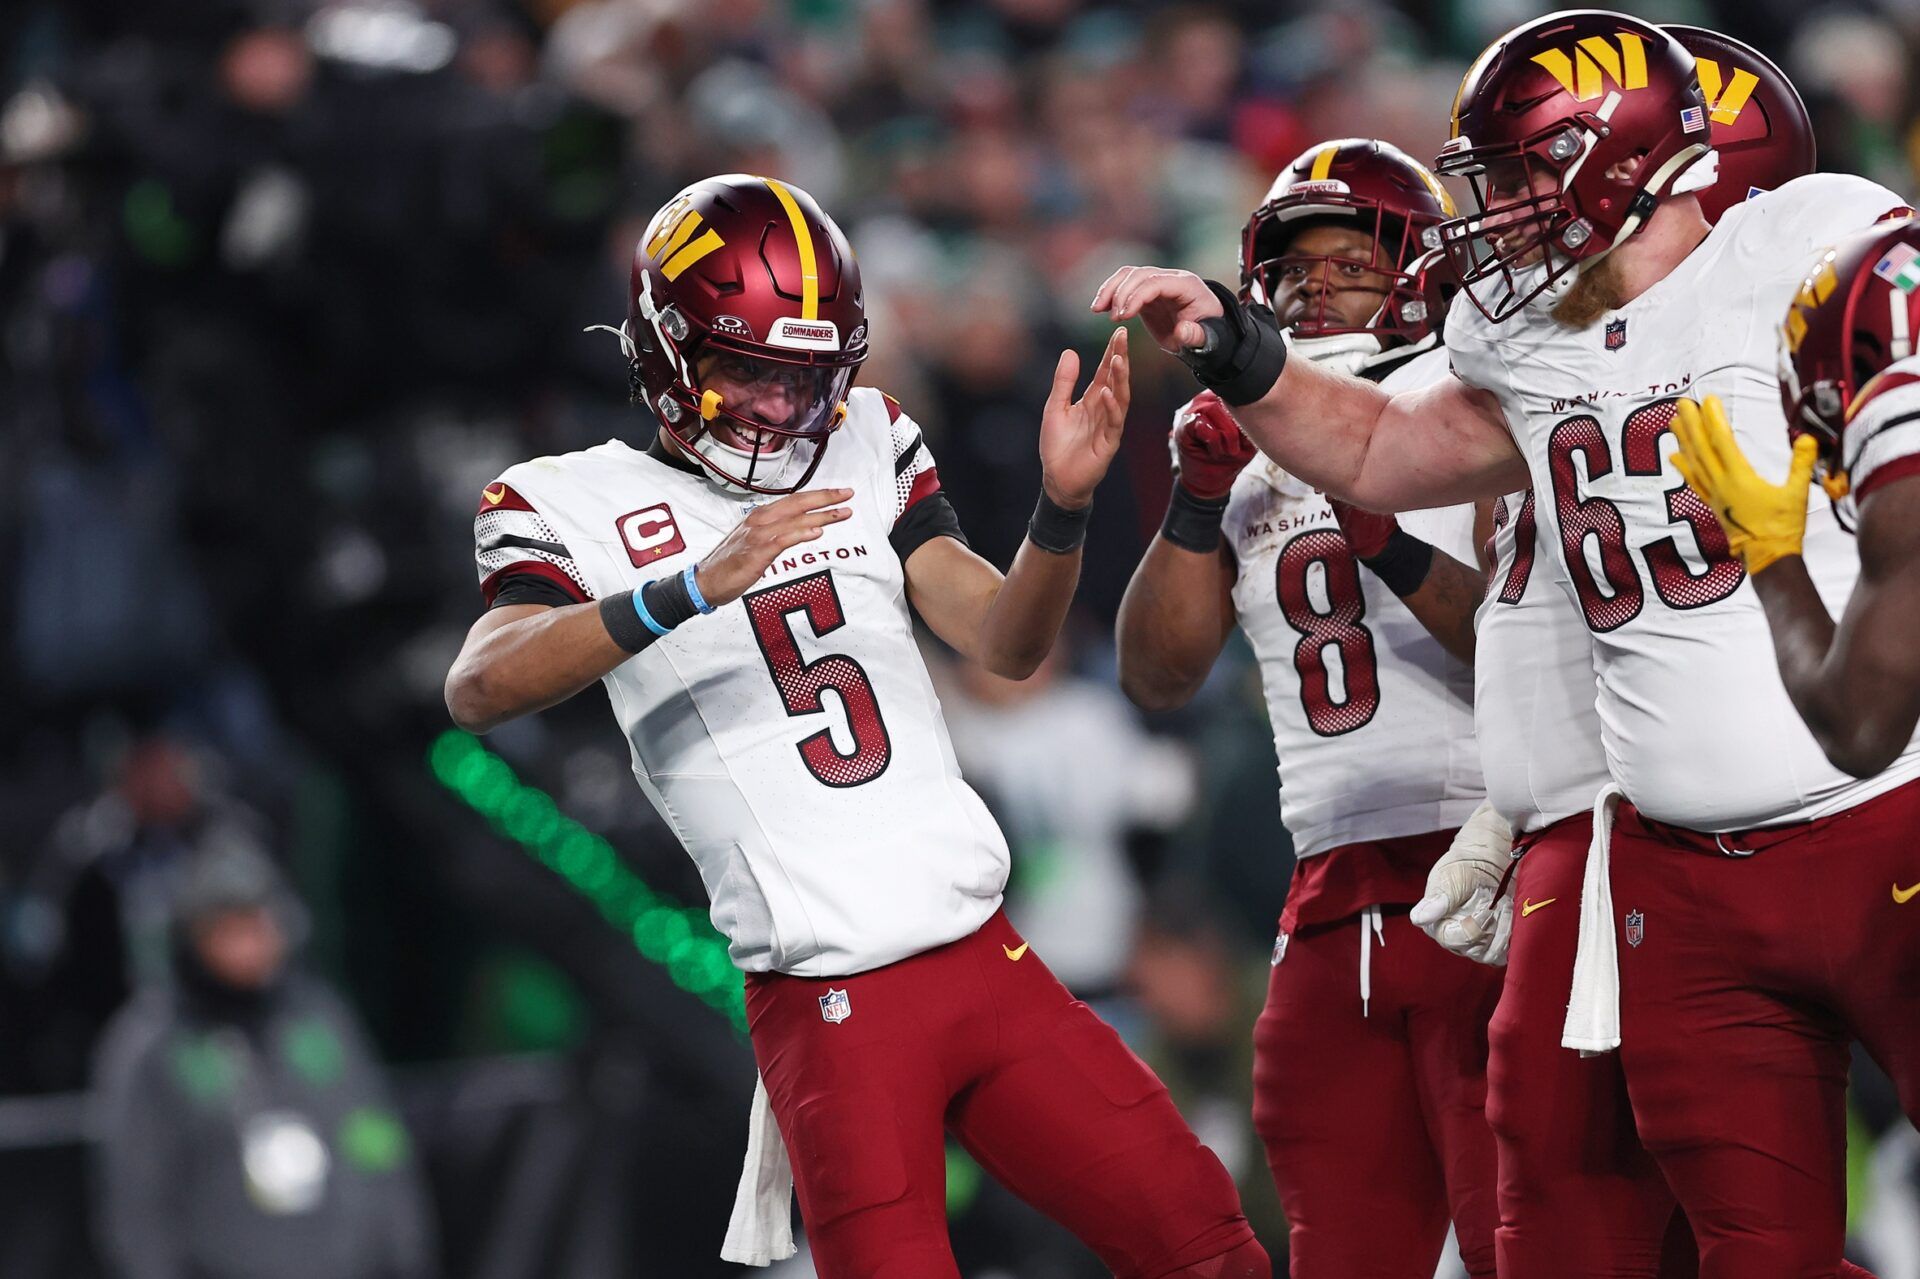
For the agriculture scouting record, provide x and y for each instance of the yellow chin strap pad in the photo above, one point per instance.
(710, 405)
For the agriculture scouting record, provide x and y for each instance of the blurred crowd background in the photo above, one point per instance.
(283, 283)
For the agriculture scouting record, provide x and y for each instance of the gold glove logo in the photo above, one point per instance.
(1584, 70)
(1726, 95)
(669, 242)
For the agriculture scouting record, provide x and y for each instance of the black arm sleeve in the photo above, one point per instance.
(530, 588)
(932, 516)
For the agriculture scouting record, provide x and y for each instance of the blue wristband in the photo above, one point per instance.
(640, 607)
(700, 604)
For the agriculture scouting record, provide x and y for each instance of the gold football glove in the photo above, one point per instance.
(1764, 521)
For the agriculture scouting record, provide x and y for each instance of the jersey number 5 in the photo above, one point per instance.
(1336, 627)
(801, 682)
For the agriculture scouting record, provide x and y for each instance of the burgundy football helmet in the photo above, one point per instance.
(1383, 192)
(1857, 311)
(1760, 127)
(1543, 119)
(747, 271)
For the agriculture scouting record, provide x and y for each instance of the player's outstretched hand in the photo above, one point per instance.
(1764, 521)
(1078, 438)
(1170, 303)
(1464, 909)
(756, 541)
(1209, 448)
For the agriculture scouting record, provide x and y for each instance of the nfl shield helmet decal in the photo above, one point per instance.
(1616, 334)
(835, 1007)
(1636, 929)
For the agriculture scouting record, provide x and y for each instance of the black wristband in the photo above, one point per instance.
(666, 601)
(623, 623)
(1193, 523)
(1244, 353)
(1403, 563)
(1055, 529)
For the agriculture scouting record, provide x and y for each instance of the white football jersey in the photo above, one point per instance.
(1533, 682)
(1697, 727)
(1372, 719)
(1883, 437)
(792, 739)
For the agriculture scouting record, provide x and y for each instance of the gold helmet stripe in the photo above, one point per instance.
(1323, 164)
(803, 239)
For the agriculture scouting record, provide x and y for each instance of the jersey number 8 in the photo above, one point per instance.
(1338, 627)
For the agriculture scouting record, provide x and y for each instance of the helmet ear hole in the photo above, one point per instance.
(1624, 170)
(1869, 357)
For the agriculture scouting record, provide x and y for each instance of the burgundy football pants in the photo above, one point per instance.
(1375, 1125)
(1580, 1197)
(978, 1038)
(1752, 962)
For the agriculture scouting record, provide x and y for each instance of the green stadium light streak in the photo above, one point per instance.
(680, 938)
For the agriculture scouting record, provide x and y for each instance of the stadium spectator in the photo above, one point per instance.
(246, 1129)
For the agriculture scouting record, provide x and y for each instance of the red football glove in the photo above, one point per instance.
(1209, 446)
(1366, 532)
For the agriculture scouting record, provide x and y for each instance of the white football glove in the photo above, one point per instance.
(1346, 352)
(1463, 909)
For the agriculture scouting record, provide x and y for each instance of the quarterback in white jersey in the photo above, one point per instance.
(812, 714)
(1589, 248)
(756, 644)
(1369, 1079)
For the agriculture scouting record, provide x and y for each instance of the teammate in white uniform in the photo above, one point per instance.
(758, 652)
(1369, 1087)
(1584, 1199)
(1608, 300)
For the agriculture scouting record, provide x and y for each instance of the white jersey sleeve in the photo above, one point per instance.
(1696, 726)
(792, 739)
(511, 539)
(1811, 213)
(1372, 719)
(1534, 687)
(1883, 438)
(910, 469)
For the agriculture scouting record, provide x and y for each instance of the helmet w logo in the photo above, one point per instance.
(1584, 70)
(1814, 290)
(670, 242)
(1726, 95)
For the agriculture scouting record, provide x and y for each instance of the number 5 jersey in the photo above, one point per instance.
(1372, 719)
(792, 739)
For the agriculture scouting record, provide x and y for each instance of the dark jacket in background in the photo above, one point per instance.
(252, 1136)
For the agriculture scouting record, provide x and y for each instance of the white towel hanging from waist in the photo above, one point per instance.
(1593, 1005)
(760, 1231)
